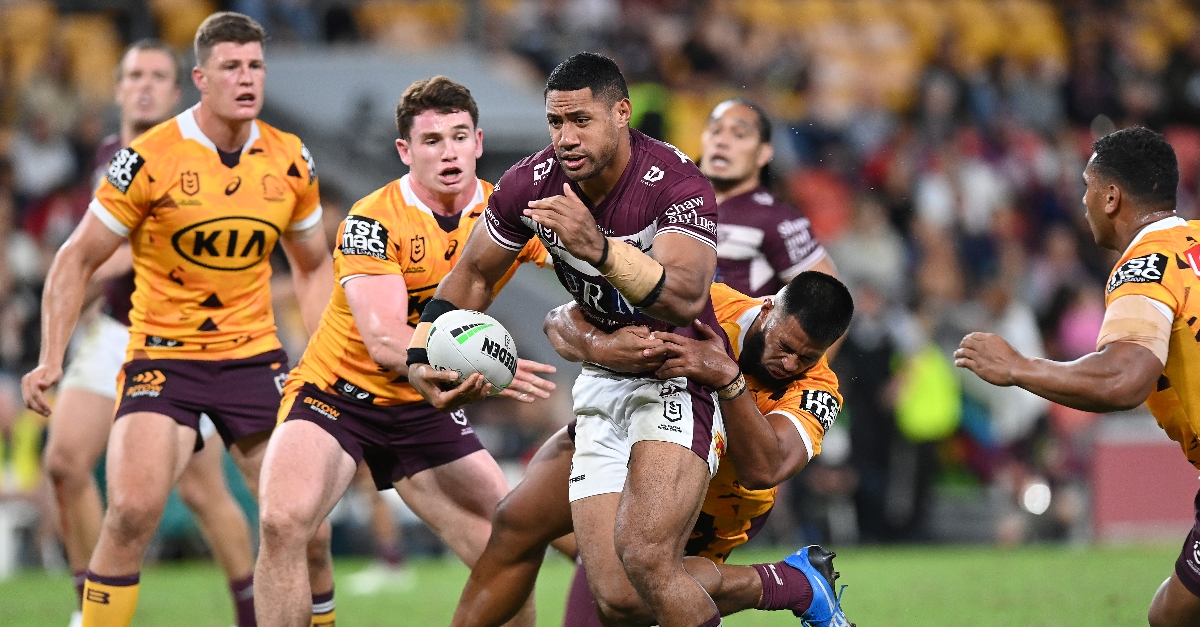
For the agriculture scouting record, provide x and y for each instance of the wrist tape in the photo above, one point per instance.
(417, 348)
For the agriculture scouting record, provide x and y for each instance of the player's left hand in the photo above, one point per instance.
(703, 360)
(527, 386)
(989, 356)
(572, 221)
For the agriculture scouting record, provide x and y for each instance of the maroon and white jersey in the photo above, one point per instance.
(762, 243)
(660, 191)
(118, 291)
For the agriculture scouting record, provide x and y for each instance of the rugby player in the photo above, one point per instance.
(147, 94)
(347, 400)
(203, 198)
(762, 242)
(600, 197)
(779, 343)
(1147, 349)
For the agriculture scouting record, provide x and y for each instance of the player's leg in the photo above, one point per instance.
(526, 521)
(304, 472)
(78, 433)
(146, 454)
(204, 490)
(1177, 602)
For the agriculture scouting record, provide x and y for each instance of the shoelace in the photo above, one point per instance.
(837, 607)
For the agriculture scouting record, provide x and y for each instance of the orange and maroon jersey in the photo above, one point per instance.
(202, 228)
(813, 402)
(1163, 264)
(389, 232)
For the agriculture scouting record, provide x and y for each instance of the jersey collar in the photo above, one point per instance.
(411, 199)
(190, 130)
(1158, 225)
(744, 322)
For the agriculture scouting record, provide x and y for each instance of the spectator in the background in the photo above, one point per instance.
(871, 253)
(762, 243)
(295, 19)
(46, 161)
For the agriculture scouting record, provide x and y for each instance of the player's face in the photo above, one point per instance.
(585, 131)
(732, 150)
(231, 81)
(147, 92)
(1095, 198)
(442, 151)
(781, 351)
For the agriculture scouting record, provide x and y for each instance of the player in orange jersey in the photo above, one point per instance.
(1149, 348)
(773, 431)
(203, 198)
(349, 401)
(147, 95)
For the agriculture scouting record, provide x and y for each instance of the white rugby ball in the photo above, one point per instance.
(468, 341)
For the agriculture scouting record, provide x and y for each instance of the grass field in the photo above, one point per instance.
(975, 586)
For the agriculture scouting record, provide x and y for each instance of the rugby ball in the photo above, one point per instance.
(468, 341)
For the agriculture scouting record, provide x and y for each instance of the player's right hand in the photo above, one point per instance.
(628, 349)
(34, 386)
(429, 382)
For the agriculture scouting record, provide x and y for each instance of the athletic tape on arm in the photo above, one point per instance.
(1138, 319)
(634, 273)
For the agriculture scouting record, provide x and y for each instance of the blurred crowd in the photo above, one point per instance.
(935, 145)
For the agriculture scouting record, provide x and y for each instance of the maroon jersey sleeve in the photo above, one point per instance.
(689, 206)
(789, 244)
(511, 197)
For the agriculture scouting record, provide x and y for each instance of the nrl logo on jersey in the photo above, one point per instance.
(365, 236)
(123, 167)
(542, 170)
(822, 405)
(1144, 269)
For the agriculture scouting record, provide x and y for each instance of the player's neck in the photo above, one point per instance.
(450, 205)
(598, 187)
(227, 135)
(725, 191)
(1128, 231)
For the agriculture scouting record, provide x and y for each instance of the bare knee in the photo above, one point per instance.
(285, 526)
(68, 467)
(623, 606)
(646, 560)
(131, 518)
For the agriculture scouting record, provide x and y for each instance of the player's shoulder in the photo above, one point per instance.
(157, 142)
(526, 177)
(385, 203)
(728, 302)
(664, 158)
(287, 148)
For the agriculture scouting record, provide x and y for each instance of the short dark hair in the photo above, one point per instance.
(1141, 162)
(433, 94)
(226, 27)
(589, 70)
(821, 304)
(149, 44)
(764, 122)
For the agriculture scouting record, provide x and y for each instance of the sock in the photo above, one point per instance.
(392, 555)
(78, 577)
(715, 621)
(323, 614)
(109, 601)
(243, 601)
(581, 605)
(784, 588)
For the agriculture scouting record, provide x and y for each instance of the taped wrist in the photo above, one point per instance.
(417, 348)
(1135, 318)
(636, 275)
(734, 389)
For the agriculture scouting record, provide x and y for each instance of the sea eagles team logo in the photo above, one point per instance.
(1144, 269)
(540, 171)
(123, 167)
(416, 248)
(364, 236)
(189, 182)
(822, 405)
(653, 175)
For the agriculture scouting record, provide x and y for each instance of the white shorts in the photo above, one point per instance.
(98, 359)
(613, 412)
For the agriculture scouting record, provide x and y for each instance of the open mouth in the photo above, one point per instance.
(572, 162)
(720, 162)
(246, 99)
(450, 176)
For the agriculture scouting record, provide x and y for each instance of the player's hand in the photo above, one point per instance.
(429, 382)
(989, 356)
(527, 386)
(34, 386)
(572, 221)
(626, 350)
(703, 360)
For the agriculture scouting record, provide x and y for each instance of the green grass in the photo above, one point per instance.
(975, 586)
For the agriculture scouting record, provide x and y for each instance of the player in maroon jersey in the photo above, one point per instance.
(762, 242)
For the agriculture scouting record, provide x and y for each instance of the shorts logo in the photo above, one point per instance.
(653, 175)
(416, 248)
(540, 171)
(123, 168)
(280, 380)
(500, 354)
(97, 596)
(719, 444)
(312, 165)
(1145, 269)
(577, 478)
(1196, 552)
(822, 405)
(666, 388)
(672, 428)
(364, 236)
(189, 183)
(459, 417)
(673, 411)
(353, 392)
(148, 383)
(323, 408)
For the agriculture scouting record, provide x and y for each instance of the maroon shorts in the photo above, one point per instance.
(241, 396)
(1187, 567)
(396, 442)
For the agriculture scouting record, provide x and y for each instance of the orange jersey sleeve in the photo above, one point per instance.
(125, 194)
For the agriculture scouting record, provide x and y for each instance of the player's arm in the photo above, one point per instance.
(312, 271)
(671, 286)
(119, 263)
(765, 450)
(576, 339)
(379, 304)
(1120, 375)
(89, 246)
